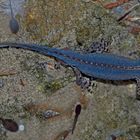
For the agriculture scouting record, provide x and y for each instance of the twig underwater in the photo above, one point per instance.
(128, 12)
(6, 72)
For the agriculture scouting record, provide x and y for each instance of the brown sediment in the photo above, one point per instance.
(62, 135)
(40, 108)
(78, 89)
(83, 99)
(135, 30)
(6, 72)
(112, 5)
(23, 82)
(121, 138)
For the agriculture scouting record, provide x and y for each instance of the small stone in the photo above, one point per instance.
(50, 113)
(21, 127)
(1, 83)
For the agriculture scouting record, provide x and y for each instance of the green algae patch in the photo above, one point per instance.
(50, 87)
(50, 21)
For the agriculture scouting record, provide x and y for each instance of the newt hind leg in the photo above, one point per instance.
(82, 81)
(138, 88)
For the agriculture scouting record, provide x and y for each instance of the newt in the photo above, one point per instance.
(95, 65)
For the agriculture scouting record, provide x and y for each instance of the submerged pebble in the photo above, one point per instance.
(21, 127)
(1, 83)
(50, 113)
(14, 25)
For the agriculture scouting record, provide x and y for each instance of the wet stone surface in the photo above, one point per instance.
(107, 110)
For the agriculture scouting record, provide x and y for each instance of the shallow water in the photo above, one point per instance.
(32, 94)
(17, 6)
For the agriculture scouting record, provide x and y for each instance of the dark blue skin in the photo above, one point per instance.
(107, 71)
(13, 23)
(98, 65)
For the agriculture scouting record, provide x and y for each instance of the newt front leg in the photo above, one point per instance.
(80, 80)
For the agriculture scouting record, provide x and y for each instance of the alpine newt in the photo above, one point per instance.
(99, 65)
